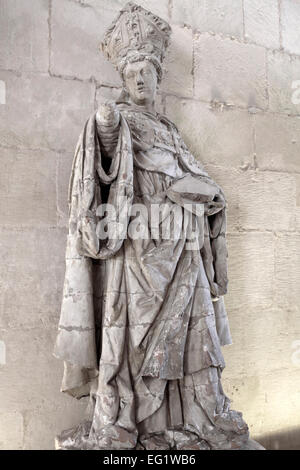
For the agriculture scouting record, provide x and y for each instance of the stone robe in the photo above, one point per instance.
(143, 319)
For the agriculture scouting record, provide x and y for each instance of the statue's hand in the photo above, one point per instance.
(108, 115)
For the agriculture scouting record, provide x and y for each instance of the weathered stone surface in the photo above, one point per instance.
(28, 187)
(246, 389)
(219, 16)
(290, 18)
(24, 35)
(31, 277)
(80, 30)
(287, 271)
(41, 427)
(262, 22)
(160, 8)
(25, 119)
(257, 200)
(251, 270)
(277, 142)
(221, 137)
(264, 394)
(229, 71)
(17, 391)
(268, 336)
(178, 65)
(11, 430)
(266, 201)
(284, 82)
(297, 210)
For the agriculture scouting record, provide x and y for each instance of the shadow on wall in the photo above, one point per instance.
(284, 440)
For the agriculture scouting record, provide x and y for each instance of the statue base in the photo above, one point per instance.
(79, 438)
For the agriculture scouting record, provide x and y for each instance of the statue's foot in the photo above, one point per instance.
(186, 440)
(75, 438)
(83, 437)
(193, 444)
(113, 437)
(154, 442)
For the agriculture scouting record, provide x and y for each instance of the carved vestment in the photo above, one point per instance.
(139, 330)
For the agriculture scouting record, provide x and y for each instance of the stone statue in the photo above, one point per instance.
(143, 318)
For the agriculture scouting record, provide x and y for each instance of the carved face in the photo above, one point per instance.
(141, 82)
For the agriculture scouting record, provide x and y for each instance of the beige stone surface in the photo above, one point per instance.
(27, 179)
(229, 71)
(79, 30)
(253, 154)
(31, 277)
(290, 17)
(219, 16)
(214, 134)
(179, 63)
(287, 266)
(264, 394)
(284, 82)
(160, 8)
(43, 112)
(24, 35)
(265, 200)
(251, 270)
(277, 142)
(11, 436)
(262, 22)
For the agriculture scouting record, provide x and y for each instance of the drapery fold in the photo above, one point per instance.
(80, 328)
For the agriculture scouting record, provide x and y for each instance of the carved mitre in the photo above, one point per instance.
(136, 34)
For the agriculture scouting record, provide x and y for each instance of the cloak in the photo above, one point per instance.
(78, 341)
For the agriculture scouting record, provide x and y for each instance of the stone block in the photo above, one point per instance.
(262, 22)
(257, 396)
(268, 336)
(11, 430)
(257, 200)
(275, 388)
(41, 428)
(28, 187)
(250, 270)
(219, 16)
(284, 83)
(297, 211)
(31, 377)
(178, 64)
(31, 276)
(160, 8)
(24, 35)
(287, 271)
(290, 18)
(214, 135)
(44, 112)
(266, 201)
(277, 142)
(76, 32)
(230, 72)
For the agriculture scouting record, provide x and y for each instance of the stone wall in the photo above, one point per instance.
(232, 88)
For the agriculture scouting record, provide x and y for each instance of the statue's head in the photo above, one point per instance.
(136, 44)
(140, 80)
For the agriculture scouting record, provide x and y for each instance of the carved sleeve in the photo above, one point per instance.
(108, 136)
